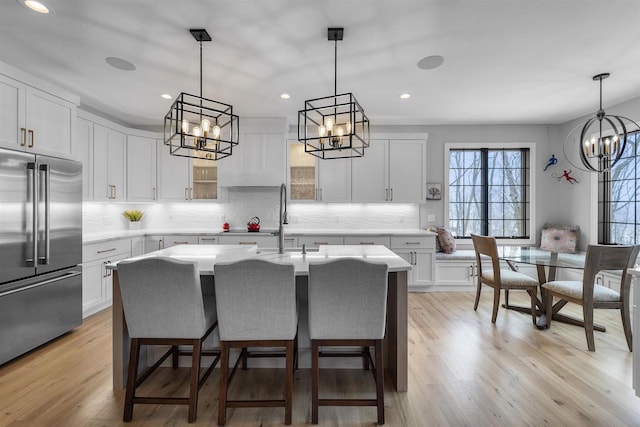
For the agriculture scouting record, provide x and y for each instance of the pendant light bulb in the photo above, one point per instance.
(216, 131)
(322, 131)
(197, 131)
(329, 124)
(206, 125)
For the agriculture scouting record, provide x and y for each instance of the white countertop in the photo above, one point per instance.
(208, 255)
(120, 234)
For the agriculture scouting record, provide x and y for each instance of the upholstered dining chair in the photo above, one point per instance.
(590, 295)
(500, 278)
(163, 305)
(347, 307)
(256, 302)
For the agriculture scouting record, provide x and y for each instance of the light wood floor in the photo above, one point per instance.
(463, 371)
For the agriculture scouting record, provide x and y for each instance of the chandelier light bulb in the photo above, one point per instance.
(329, 124)
(206, 125)
(216, 131)
(197, 131)
(322, 131)
(340, 131)
(348, 126)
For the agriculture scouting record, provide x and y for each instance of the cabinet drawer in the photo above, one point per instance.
(170, 241)
(315, 241)
(262, 241)
(94, 251)
(208, 240)
(415, 242)
(364, 240)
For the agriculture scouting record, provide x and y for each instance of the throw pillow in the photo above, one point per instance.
(558, 238)
(446, 240)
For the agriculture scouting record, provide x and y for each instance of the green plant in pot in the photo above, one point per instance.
(134, 216)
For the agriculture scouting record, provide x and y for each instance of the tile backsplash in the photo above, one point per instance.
(243, 203)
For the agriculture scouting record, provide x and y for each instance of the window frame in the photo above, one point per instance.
(531, 240)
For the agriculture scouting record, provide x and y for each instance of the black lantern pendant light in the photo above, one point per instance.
(199, 127)
(603, 137)
(334, 127)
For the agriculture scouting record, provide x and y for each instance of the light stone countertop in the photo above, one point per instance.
(123, 234)
(208, 255)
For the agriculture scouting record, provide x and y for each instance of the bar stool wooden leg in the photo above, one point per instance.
(195, 377)
(314, 381)
(224, 379)
(379, 381)
(288, 388)
(132, 377)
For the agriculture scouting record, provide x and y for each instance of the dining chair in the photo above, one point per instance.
(590, 295)
(347, 307)
(164, 305)
(500, 278)
(256, 302)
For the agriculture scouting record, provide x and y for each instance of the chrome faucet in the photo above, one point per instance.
(283, 218)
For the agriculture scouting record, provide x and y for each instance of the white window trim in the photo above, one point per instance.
(448, 146)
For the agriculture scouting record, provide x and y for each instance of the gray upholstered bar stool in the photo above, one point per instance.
(347, 307)
(163, 305)
(257, 307)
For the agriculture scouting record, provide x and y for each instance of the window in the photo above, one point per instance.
(619, 202)
(489, 192)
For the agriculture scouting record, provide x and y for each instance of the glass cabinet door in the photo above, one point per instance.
(205, 179)
(302, 173)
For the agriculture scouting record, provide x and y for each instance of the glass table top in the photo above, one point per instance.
(536, 256)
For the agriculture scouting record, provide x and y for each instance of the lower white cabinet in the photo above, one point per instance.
(367, 240)
(97, 285)
(261, 240)
(155, 243)
(419, 251)
(208, 240)
(456, 273)
(313, 242)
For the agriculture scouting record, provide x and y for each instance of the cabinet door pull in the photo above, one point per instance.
(412, 243)
(24, 137)
(386, 194)
(180, 243)
(289, 239)
(320, 243)
(367, 243)
(391, 194)
(115, 192)
(186, 193)
(191, 193)
(154, 193)
(208, 239)
(247, 243)
(106, 250)
(32, 138)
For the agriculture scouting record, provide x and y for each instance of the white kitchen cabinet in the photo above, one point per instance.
(155, 243)
(259, 159)
(313, 242)
(109, 164)
(141, 169)
(391, 171)
(454, 273)
(419, 251)
(97, 284)
(137, 246)
(314, 179)
(35, 121)
(185, 179)
(208, 240)
(83, 152)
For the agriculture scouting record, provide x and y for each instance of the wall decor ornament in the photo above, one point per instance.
(434, 191)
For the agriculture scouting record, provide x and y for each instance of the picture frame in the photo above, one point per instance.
(434, 191)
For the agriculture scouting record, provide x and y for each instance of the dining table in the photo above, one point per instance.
(207, 256)
(548, 264)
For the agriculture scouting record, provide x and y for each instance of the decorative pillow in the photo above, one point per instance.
(446, 240)
(558, 238)
(434, 229)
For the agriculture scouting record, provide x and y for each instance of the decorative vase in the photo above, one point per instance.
(134, 225)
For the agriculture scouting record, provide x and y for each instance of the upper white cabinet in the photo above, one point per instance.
(259, 159)
(391, 170)
(83, 152)
(109, 164)
(34, 120)
(183, 178)
(314, 179)
(141, 169)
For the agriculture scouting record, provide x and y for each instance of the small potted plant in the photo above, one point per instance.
(134, 216)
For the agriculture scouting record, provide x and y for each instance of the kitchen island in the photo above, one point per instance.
(206, 256)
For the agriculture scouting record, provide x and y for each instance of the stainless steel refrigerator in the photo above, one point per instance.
(40, 250)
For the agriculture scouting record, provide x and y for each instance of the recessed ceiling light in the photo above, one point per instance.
(166, 96)
(36, 6)
(120, 64)
(430, 62)
(405, 96)
(285, 96)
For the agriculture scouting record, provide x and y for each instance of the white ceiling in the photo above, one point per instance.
(506, 61)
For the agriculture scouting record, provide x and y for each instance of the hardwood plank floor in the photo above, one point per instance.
(463, 371)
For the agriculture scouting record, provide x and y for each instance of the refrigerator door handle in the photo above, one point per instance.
(46, 282)
(32, 222)
(45, 173)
